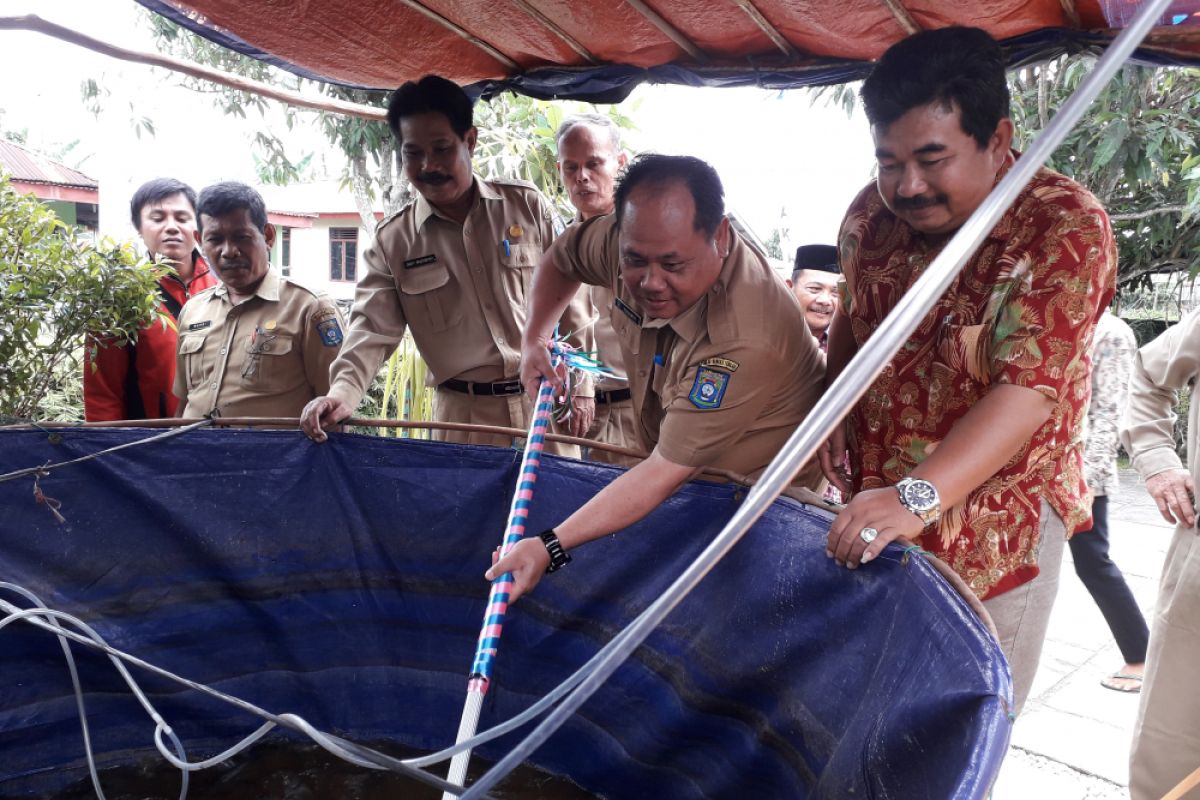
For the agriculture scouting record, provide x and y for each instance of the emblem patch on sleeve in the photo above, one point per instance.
(330, 331)
(709, 389)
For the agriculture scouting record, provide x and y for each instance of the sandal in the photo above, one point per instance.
(1111, 683)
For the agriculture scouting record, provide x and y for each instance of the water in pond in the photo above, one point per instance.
(295, 771)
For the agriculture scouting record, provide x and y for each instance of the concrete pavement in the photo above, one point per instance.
(1072, 741)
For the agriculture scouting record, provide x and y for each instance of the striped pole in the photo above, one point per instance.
(493, 618)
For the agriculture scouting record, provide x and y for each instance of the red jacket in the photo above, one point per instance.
(134, 381)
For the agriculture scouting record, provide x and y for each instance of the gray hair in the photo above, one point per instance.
(601, 121)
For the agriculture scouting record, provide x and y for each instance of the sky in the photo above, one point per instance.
(785, 162)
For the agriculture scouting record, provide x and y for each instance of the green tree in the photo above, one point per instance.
(56, 287)
(516, 133)
(1135, 149)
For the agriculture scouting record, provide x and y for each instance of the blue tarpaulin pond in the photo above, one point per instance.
(343, 582)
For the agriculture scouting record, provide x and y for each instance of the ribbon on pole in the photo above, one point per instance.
(497, 606)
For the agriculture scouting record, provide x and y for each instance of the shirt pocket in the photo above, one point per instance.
(269, 366)
(517, 264)
(425, 295)
(191, 352)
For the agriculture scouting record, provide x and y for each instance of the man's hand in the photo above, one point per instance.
(527, 562)
(535, 365)
(583, 414)
(879, 509)
(1173, 492)
(320, 413)
(835, 461)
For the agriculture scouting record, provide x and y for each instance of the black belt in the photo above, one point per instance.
(497, 389)
(615, 396)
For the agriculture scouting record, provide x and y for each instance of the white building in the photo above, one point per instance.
(319, 235)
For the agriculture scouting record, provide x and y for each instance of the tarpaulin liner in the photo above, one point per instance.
(599, 50)
(343, 582)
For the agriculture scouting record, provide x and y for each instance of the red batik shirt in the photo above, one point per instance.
(1021, 311)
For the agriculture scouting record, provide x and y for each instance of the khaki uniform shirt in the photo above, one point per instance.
(725, 383)
(461, 289)
(265, 357)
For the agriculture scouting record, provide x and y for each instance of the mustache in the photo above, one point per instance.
(918, 203)
(433, 178)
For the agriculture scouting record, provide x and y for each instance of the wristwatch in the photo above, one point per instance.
(558, 557)
(921, 498)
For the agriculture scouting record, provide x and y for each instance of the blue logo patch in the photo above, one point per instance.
(331, 332)
(709, 389)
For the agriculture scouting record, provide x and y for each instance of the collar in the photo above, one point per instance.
(422, 210)
(268, 290)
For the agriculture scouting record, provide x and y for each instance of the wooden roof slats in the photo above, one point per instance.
(770, 30)
(553, 27)
(902, 16)
(669, 30)
(488, 48)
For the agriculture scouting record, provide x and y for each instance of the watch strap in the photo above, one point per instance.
(559, 557)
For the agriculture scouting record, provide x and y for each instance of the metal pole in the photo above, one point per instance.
(849, 386)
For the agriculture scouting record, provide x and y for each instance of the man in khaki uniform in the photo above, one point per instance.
(1166, 736)
(256, 344)
(721, 365)
(454, 266)
(589, 158)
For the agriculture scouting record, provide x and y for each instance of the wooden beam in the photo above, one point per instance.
(1069, 10)
(770, 30)
(464, 33)
(669, 30)
(550, 25)
(902, 16)
(36, 24)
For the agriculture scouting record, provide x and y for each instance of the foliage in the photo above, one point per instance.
(516, 140)
(55, 287)
(1136, 149)
(399, 391)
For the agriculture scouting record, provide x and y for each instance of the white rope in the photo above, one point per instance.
(48, 619)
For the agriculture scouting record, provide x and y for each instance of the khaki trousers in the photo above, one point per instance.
(508, 411)
(1166, 736)
(614, 424)
(1022, 615)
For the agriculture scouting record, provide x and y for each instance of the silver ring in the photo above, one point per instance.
(868, 534)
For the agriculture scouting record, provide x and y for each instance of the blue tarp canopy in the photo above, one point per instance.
(343, 582)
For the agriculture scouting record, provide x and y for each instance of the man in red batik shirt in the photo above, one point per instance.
(134, 381)
(969, 441)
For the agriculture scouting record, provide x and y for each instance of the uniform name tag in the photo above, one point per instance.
(727, 364)
(199, 326)
(419, 262)
(627, 311)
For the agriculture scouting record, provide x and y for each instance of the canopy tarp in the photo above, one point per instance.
(600, 50)
(343, 582)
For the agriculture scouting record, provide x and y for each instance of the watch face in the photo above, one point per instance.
(920, 495)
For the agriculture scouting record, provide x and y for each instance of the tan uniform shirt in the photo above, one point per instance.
(723, 384)
(461, 289)
(265, 357)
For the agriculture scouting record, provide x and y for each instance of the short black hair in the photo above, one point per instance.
(431, 93)
(156, 191)
(956, 67)
(698, 176)
(221, 198)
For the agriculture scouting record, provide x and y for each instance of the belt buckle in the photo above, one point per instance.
(513, 387)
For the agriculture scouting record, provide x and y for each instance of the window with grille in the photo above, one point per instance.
(285, 252)
(343, 253)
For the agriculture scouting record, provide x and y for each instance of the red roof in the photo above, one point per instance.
(26, 166)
